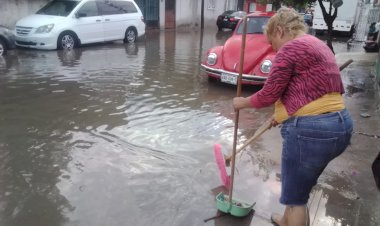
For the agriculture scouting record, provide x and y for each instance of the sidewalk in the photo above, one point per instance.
(346, 193)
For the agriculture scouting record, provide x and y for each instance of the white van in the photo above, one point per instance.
(65, 24)
(345, 21)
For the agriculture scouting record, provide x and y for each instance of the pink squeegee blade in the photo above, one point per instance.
(220, 161)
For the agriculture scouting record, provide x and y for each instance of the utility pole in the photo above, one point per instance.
(202, 14)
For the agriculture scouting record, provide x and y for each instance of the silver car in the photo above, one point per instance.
(7, 40)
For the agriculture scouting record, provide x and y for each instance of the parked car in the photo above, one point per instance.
(65, 24)
(229, 19)
(222, 62)
(7, 40)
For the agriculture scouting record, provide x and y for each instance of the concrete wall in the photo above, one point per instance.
(162, 14)
(188, 12)
(13, 10)
(213, 8)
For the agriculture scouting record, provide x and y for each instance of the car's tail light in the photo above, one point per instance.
(142, 19)
(233, 19)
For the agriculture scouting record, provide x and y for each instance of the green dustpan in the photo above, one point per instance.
(237, 208)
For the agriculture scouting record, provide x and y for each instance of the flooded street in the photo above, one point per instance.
(119, 134)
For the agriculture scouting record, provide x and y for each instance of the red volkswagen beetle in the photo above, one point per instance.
(222, 62)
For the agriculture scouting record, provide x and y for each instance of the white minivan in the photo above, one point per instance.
(66, 24)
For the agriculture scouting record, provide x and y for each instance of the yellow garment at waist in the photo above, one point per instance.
(330, 102)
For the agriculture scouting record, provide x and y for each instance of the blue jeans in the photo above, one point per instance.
(310, 143)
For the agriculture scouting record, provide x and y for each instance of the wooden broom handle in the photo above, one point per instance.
(239, 80)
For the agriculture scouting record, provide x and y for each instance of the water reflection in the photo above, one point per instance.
(70, 58)
(335, 202)
(105, 121)
(223, 35)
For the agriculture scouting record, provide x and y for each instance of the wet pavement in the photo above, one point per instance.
(119, 134)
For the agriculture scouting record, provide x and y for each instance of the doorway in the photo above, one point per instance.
(169, 14)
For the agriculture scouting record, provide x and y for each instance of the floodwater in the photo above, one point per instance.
(119, 134)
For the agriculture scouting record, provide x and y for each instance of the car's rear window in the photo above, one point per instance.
(58, 8)
(255, 25)
(228, 12)
(239, 14)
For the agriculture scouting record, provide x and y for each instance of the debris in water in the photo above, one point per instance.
(365, 115)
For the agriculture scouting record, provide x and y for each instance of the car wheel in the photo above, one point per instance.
(130, 35)
(3, 48)
(67, 40)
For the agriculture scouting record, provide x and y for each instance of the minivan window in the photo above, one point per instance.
(58, 8)
(88, 9)
(116, 7)
(108, 8)
(128, 7)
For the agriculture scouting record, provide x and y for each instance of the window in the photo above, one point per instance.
(255, 25)
(108, 8)
(228, 12)
(89, 9)
(239, 14)
(117, 7)
(58, 8)
(127, 7)
(252, 7)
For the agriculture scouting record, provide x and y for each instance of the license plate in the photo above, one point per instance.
(225, 19)
(227, 78)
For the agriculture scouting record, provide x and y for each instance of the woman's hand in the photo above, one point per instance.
(274, 123)
(241, 103)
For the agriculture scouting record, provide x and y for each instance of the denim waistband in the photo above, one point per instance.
(341, 114)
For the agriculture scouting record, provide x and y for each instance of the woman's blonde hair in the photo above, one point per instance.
(289, 20)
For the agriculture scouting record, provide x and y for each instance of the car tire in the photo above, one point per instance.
(3, 48)
(67, 40)
(130, 35)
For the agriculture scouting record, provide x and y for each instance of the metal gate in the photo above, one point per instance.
(150, 10)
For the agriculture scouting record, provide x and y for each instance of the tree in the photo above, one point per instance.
(329, 14)
(329, 19)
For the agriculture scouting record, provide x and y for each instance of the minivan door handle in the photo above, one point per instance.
(107, 19)
(98, 20)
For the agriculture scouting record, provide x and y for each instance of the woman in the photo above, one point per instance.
(305, 86)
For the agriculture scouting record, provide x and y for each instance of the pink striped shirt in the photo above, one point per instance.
(303, 70)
